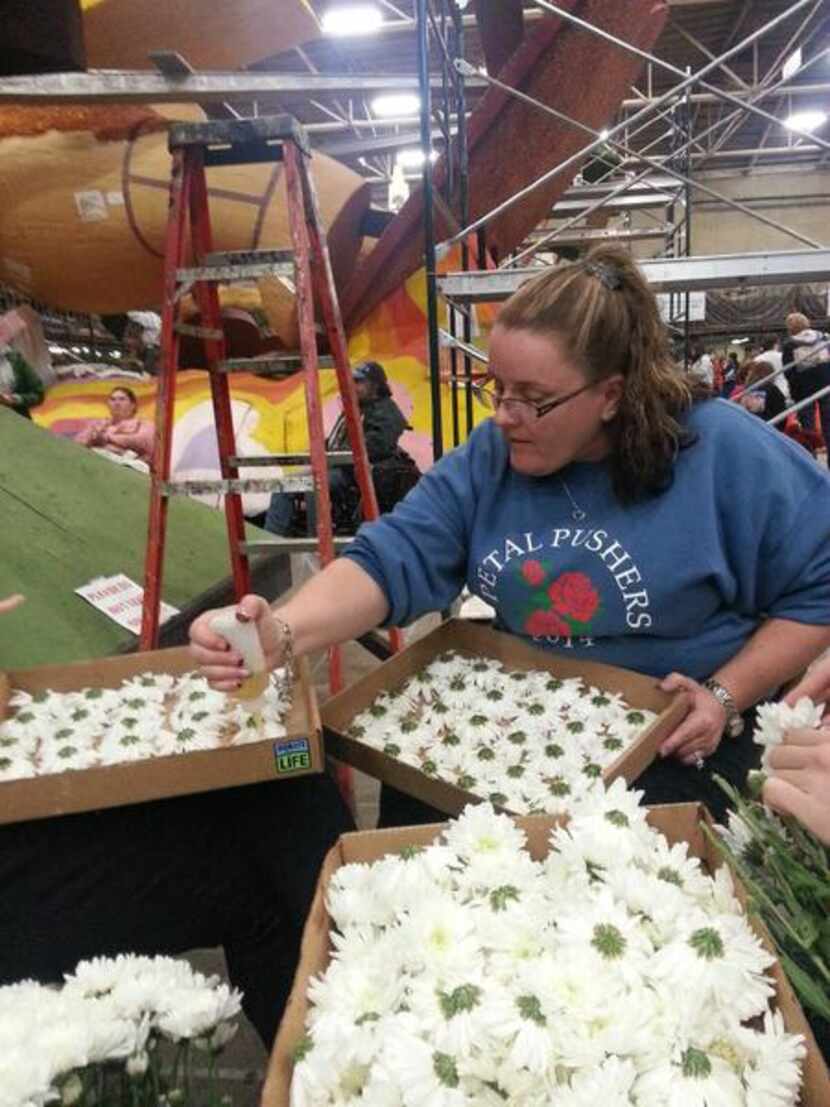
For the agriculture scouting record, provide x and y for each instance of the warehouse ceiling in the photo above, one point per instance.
(344, 124)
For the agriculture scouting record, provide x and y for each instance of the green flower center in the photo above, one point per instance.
(495, 695)
(635, 717)
(486, 754)
(303, 1047)
(463, 998)
(531, 1009)
(575, 726)
(500, 897)
(478, 720)
(670, 875)
(707, 943)
(498, 798)
(696, 1065)
(617, 818)
(517, 737)
(612, 743)
(553, 749)
(608, 941)
(558, 786)
(593, 770)
(391, 749)
(516, 771)
(535, 709)
(600, 700)
(446, 1069)
(450, 739)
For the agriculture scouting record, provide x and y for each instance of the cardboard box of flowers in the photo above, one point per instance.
(542, 962)
(144, 726)
(467, 713)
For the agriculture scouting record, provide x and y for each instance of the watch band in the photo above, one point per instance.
(734, 724)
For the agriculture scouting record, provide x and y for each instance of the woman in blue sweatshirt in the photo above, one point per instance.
(605, 512)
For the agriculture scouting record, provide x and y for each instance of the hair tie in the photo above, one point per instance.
(609, 276)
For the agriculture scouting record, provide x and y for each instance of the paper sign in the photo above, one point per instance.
(120, 599)
(91, 205)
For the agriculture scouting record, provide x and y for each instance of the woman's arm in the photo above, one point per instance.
(340, 603)
(778, 651)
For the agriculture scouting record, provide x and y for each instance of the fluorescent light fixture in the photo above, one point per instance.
(396, 103)
(806, 120)
(413, 158)
(739, 342)
(352, 19)
(792, 64)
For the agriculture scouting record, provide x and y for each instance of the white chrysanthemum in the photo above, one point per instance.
(693, 1078)
(443, 939)
(773, 720)
(479, 833)
(520, 1017)
(772, 1075)
(14, 766)
(65, 756)
(352, 898)
(120, 746)
(426, 1076)
(195, 1012)
(607, 1085)
(716, 962)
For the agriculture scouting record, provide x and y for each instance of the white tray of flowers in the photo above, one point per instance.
(468, 713)
(606, 959)
(139, 727)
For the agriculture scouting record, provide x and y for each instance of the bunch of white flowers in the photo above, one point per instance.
(614, 972)
(529, 742)
(149, 715)
(773, 720)
(99, 1036)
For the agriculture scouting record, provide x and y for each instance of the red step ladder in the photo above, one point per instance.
(195, 147)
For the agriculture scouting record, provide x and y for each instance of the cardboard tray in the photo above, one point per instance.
(299, 753)
(467, 638)
(678, 822)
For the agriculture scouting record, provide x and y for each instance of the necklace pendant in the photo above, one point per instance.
(578, 515)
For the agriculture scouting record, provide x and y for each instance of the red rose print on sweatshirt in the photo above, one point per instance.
(534, 573)
(574, 597)
(546, 624)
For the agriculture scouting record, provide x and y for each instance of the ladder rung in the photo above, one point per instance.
(235, 265)
(283, 365)
(277, 543)
(189, 330)
(334, 457)
(239, 133)
(299, 482)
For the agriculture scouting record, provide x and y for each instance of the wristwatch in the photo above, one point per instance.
(734, 724)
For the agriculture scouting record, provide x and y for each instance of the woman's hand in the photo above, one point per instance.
(218, 663)
(699, 735)
(815, 684)
(799, 783)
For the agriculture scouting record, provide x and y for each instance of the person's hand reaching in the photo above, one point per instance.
(221, 665)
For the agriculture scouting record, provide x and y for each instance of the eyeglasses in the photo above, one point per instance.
(522, 409)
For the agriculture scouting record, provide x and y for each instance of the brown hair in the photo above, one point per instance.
(604, 311)
(128, 392)
(752, 371)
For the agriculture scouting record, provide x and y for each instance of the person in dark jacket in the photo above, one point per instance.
(20, 386)
(383, 424)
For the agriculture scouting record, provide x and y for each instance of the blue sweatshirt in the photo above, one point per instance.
(678, 581)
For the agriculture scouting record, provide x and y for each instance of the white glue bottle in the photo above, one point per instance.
(243, 636)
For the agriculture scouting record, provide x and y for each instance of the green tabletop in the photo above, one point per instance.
(68, 515)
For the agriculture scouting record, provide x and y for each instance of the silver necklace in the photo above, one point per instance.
(577, 514)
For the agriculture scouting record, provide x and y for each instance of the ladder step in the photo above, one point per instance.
(283, 365)
(278, 544)
(189, 330)
(235, 265)
(297, 482)
(240, 133)
(334, 457)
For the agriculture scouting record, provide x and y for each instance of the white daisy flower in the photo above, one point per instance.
(693, 1078)
(773, 720)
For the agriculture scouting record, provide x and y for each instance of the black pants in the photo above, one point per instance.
(664, 781)
(235, 868)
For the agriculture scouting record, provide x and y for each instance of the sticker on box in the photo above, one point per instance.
(292, 756)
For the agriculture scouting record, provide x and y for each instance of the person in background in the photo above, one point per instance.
(702, 368)
(766, 401)
(609, 511)
(807, 351)
(123, 432)
(20, 386)
(771, 355)
(383, 424)
(799, 783)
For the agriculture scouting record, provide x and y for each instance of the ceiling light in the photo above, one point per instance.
(358, 19)
(397, 103)
(413, 158)
(806, 120)
(791, 65)
(603, 133)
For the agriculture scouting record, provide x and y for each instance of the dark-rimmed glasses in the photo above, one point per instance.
(522, 409)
